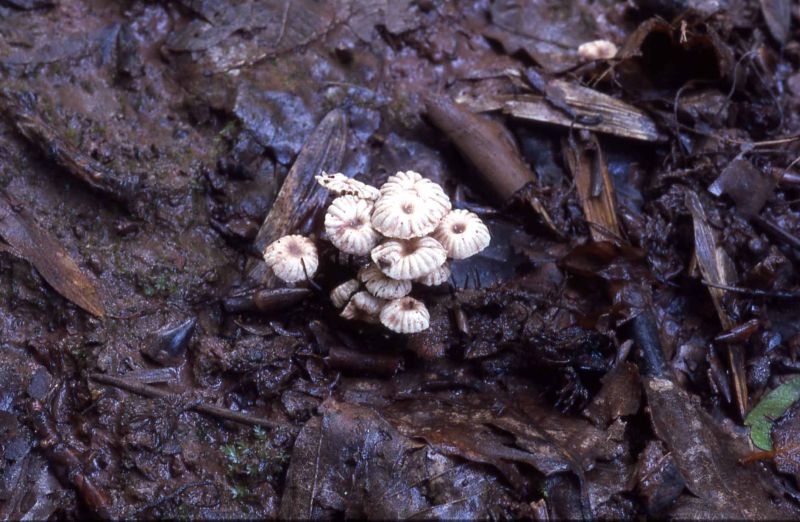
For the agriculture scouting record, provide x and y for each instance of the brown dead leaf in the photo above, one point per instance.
(43, 251)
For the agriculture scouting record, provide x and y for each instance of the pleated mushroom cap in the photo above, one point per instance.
(292, 258)
(462, 234)
(436, 277)
(342, 293)
(381, 285)
(347, 223)
(363, 306)
(409, 206)
(407, 259)
(405, 315)
(341, 185)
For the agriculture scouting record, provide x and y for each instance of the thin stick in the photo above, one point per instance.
(752, 291)
(155, 393)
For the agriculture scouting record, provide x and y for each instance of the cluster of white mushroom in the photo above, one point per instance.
(409, 232)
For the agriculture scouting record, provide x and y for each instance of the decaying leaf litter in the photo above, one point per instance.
(641, 274)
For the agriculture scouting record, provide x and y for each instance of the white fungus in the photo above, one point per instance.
(347, 223)
(409, 206)
(343, 292)
(381, 285)
(597, 50)
(436, 277)
(292, 258)
(364, 306)
(462, 234)
(342, 185)
(407, 259)
(405, 315)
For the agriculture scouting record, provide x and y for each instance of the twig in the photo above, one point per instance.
(752, 291)
(215, 411)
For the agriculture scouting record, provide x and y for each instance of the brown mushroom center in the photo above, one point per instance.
(458, 228)
(357, 222)
(408, 207)
(294, 249)
(408, 305)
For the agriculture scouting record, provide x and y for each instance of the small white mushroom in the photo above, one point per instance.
(364, 306)
(341, 185)
(381, 285)
(343, 292)
(437, 277)
(409, 206)
(405, 315)
(347, 223)
(407, 259)
(462, 234)
(597, 50)
(292, 258)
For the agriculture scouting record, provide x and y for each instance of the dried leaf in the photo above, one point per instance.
(786, 439)
(771, 407)
(549, 32)
(44, 252)
(707, 456)
(351, 462)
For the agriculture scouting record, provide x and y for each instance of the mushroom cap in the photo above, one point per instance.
(437, 277)
(342, 293)
(407, 259)
(363, 306)
(597, 50)
(381, 285)
(405, 315)
(341, 185)
(292, 258)
(347, 223)
(409, 206)
(462, 234)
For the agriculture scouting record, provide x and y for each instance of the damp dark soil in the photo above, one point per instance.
(606, 357)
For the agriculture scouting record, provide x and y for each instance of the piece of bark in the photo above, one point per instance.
(717, 268)
(485, 144)
(301, 199)
(614, 117)
(45, 253)
(589, 169)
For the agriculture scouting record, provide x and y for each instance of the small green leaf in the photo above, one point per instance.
(771, 407)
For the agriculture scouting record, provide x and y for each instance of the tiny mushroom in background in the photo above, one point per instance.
(405, 315)
(381, 285)
(347, 223)
(597, 50)
(410, 258)
(462, 234)
(342, 185)
(292, 258)
(342, 293)
(364, 306)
